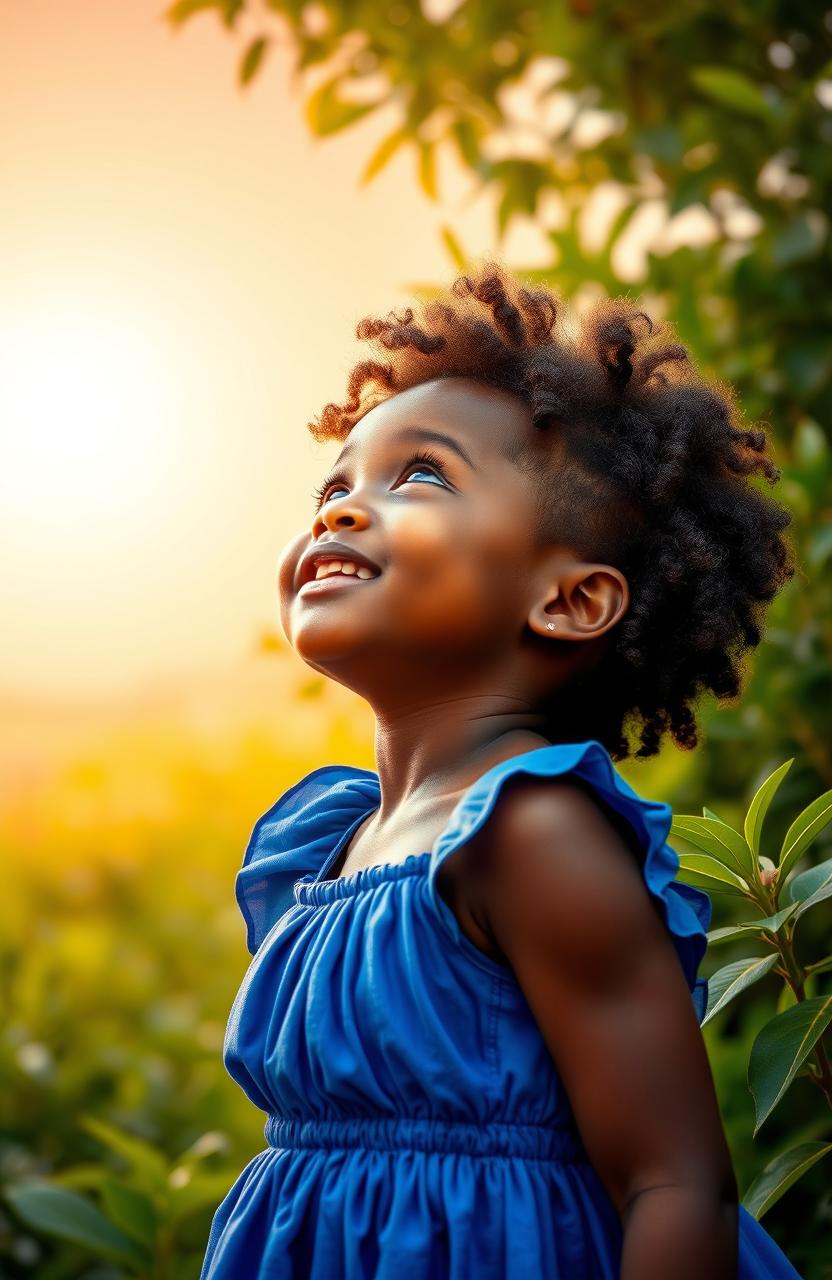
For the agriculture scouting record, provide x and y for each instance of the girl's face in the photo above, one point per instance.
(453, 538)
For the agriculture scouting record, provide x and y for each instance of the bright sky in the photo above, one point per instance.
(183, 267)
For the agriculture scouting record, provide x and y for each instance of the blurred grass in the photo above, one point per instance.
(121, 944)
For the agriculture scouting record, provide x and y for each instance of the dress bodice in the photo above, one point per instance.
(364, 998)
(416, 1123)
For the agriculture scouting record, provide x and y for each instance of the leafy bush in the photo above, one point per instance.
(713, 855)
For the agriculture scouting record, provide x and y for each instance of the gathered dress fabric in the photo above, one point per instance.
(417, 1128)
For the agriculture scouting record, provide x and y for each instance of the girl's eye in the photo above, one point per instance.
(330, 494)
(433, 463)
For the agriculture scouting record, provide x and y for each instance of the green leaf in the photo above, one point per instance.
(802, 886)
(59, 1212)
(811, 887)
(468, 134)
(507, 206)
(454, 248)
(806, 363)
(758, 808)
(781, 1048)
(785, 999)
(327, 113)
(710, 869)
(709, 813)
(143, 1158)
(691, 188)
(801, 239)
(716, 839)
(820, 966)
(661, 141)
(252, 58)
(130, 1210)
(810, 447)
(803, 830)
(780, 1174)
(201, 1191)
(732, 89)
(819, 547)
(212, 1143)
(425, 290)
(383, 154)
(732, 979)
(184, 9)
(768, 924)
(427, 170)
(86, 1177)
(310, 52)
(231, 9)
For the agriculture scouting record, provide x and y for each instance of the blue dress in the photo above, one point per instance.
(417, 1128)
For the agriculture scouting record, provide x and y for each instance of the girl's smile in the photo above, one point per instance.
(329, 558)
(332, 581)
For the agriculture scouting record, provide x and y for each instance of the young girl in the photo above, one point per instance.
(472, 1013)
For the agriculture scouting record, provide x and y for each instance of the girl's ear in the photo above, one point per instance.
(583, 602)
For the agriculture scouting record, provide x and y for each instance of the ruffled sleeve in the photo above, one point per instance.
(296, 836)
(686, 911)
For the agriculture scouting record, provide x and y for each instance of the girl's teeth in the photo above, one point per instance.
(334, 567)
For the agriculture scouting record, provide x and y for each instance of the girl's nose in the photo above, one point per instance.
(340, 513)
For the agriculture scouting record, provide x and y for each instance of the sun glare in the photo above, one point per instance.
(82, 403)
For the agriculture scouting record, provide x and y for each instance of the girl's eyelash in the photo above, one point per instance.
(422, 455)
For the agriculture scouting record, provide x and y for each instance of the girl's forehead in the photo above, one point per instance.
(477, 415)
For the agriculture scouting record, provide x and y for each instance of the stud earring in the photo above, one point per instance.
(550, 625)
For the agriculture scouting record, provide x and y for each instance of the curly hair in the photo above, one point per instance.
(650, 467)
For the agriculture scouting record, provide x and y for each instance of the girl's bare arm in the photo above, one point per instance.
(564, 899)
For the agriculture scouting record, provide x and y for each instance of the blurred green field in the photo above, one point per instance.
(121, 941)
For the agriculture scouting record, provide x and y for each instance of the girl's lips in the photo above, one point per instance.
(333, 582)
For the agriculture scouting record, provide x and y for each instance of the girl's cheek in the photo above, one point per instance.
(422, 542)
(437, 588)
(462, 566)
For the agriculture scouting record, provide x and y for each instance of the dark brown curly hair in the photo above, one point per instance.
(650, 467)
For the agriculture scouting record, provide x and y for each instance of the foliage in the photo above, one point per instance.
(142, 1212)
(121, 949)
(714, 856)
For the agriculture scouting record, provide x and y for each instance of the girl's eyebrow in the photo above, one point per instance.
(417, 433)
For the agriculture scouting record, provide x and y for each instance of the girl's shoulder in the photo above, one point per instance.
(686, 911)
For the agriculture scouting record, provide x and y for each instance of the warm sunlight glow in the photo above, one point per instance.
(82, 401)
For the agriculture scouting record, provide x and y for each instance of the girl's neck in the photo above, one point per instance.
(427, 756)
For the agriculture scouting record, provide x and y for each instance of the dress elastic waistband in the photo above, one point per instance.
(393, 1133)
